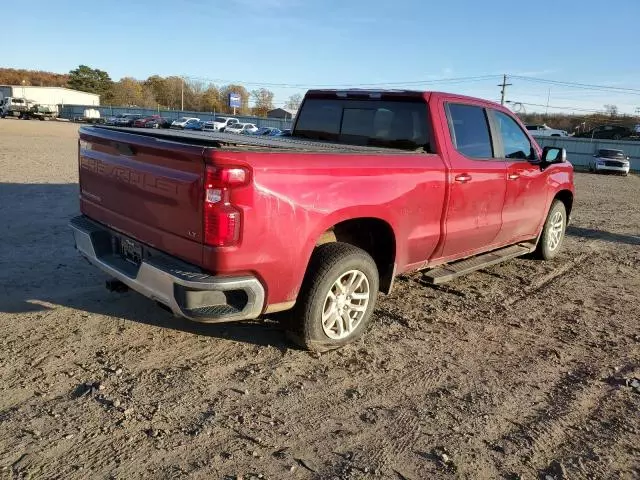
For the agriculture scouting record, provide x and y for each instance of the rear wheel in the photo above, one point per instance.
(552, 232)
(337, 298)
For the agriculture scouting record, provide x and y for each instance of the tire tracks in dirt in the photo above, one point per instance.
(548, 279)
(576, 400)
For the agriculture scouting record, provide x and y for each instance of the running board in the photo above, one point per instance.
(450, 271)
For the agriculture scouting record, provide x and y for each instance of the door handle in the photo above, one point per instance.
(463, 178)
(514, 176)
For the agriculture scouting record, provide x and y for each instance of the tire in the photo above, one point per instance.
(333, 264)
(553, 232)
(617, 137)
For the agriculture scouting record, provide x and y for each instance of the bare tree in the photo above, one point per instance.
(294, 102)
(611, 110)
(263, 101)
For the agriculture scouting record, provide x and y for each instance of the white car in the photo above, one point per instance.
(241, 128)
(545, 131)
(219, 124)
(608, 160)
(182, 121)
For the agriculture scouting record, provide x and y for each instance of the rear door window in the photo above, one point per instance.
(469, 128)
(514, 141)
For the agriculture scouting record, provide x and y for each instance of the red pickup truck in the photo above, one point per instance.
(370, 184)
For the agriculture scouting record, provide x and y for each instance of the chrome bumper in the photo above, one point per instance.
(169, 281)
(607, 168)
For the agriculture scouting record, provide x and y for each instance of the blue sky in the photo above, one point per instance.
(340, 42)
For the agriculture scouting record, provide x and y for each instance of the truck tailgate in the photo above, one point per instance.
(147, 188)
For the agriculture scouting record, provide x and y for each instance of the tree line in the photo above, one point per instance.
(170, 92)
(580, 123)
(154, 92)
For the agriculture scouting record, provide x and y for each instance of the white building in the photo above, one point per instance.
(50, 95)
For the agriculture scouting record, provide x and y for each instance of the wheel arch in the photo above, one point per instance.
(566, 197)
(374, 235)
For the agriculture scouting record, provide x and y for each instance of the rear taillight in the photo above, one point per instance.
(222, 221)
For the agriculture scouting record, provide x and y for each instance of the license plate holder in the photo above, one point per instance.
(131, 251)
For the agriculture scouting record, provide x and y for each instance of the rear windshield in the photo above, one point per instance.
(381, 123)
(220, 119)
(611, 154)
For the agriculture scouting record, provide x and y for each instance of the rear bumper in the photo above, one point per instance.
(183, 288)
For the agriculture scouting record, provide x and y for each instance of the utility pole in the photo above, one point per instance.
(546, 110)
(504, 86)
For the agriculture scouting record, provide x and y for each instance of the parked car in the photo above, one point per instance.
(193, 125)
(546, 131)
(345, 204)
(268, 131)
(219, 124)
(284, 133)
(158, 122)
(611, 132)
(608, 160)
(241, 128)
(142, 122)
(263, 131)
(182, 122)
(127, 119)
(114, 119)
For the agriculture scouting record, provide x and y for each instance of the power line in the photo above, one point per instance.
(575, 109)
(453, 80)
(585, 86)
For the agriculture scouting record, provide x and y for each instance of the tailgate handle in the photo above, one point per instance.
(123, 149)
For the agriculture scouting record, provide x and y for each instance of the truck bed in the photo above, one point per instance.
(254, 142)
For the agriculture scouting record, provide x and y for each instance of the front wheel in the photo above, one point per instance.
(552, 232)
(337, 298)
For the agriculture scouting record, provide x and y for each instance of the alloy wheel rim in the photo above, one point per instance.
(556, 228)
(345, 304)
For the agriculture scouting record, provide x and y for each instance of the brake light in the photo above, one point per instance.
(222, 221)
(226, 177)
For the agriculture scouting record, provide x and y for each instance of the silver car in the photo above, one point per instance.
(607, 160)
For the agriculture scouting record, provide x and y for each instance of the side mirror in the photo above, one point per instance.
(552, 155)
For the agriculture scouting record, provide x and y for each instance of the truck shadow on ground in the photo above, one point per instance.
(126, 307)
(40, 270)
(594, 234)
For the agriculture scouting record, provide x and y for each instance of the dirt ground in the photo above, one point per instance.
(520, 371)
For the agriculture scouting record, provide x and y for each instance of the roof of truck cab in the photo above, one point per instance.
(373, 93)
(402, 93)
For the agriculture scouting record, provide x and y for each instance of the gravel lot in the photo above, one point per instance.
(522, 370)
